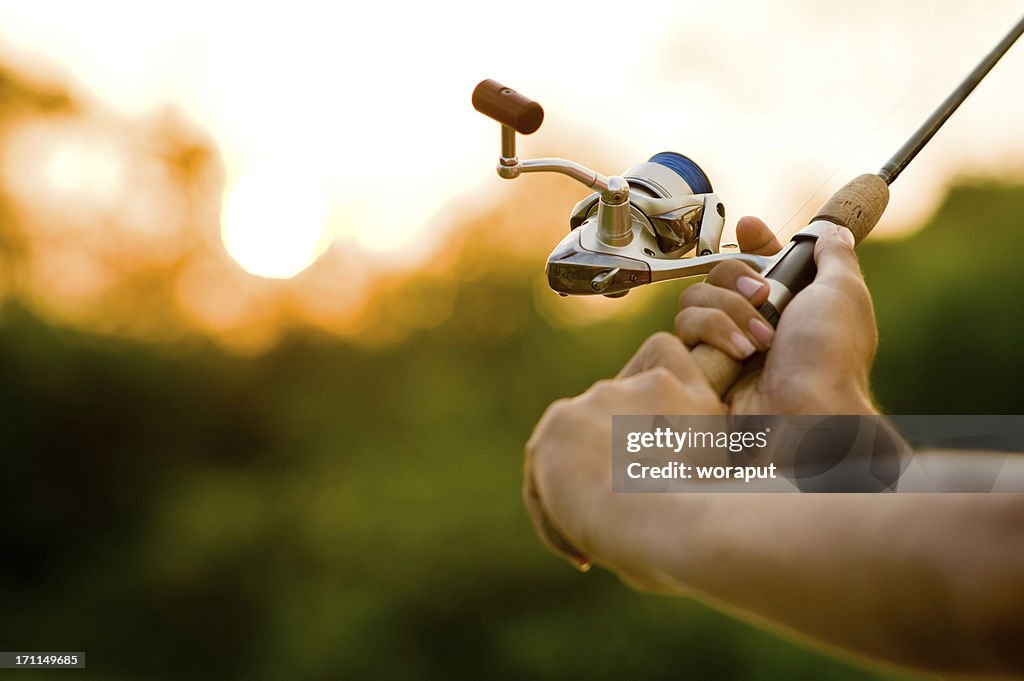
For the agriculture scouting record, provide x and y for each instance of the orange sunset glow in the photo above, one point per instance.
(196, 167)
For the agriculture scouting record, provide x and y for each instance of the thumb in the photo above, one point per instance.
(834, 256)
(756, 237)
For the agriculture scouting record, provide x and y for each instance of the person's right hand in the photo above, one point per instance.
(819, 357)
(567, 485)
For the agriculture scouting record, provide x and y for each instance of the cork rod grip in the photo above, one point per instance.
(858, 206)
(507, 106)
(720, 369)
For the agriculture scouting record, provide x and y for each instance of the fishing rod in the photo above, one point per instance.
(661, 220)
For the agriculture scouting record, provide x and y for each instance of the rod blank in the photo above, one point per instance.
(902, 158)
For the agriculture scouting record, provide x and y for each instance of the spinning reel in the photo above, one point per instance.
(658, 220)
(661, 220)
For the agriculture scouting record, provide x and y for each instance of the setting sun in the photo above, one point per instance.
(274, 223)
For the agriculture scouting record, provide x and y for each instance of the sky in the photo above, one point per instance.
(349, 125)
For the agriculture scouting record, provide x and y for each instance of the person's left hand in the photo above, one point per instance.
(818, 360)
(567, 483)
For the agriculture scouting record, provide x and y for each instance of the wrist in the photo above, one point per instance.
(850, 403)
(821, 397)
(653, 546)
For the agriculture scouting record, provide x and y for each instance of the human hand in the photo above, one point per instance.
(567, 482)
(819, 357)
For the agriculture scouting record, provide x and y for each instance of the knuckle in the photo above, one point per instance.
(599, 388)
(729, 304)
(859, 290)
(693, 294)
(851, 292)
(845, 261)
(660, 378)
(717, 319)
(557, 411)
(849, 279)
(601, 396)
(659, 345)
(735, 303)
(701, 321)
(559, 407)
(682, 316)
(662, 340)
(726, 273)
(557, 420)
(687, 320)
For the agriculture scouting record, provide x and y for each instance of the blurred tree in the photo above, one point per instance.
(948, 307)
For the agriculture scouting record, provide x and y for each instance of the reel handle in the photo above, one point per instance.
(858, 206)
(507, 106)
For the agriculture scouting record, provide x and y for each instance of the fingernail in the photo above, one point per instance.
(762, 332)
(847, 236)
(748, 286)
(743, 346)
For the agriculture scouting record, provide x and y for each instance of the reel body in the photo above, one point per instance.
(612, 237)
(659, 220)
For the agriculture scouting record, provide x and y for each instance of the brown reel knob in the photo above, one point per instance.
(507, 106)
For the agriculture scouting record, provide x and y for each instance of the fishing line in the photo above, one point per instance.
(926, 74)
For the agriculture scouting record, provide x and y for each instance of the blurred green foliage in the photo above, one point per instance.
(323, 511)
(948, 303)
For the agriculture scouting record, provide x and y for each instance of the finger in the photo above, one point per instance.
(736, 306)
(835, 258)
(741, 278)
(664, 350)
(712, 326)
(753, 236)
(673, 394)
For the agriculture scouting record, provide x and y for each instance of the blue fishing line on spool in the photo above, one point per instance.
(686, 169)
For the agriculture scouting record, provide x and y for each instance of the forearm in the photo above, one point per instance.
(930, 581)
